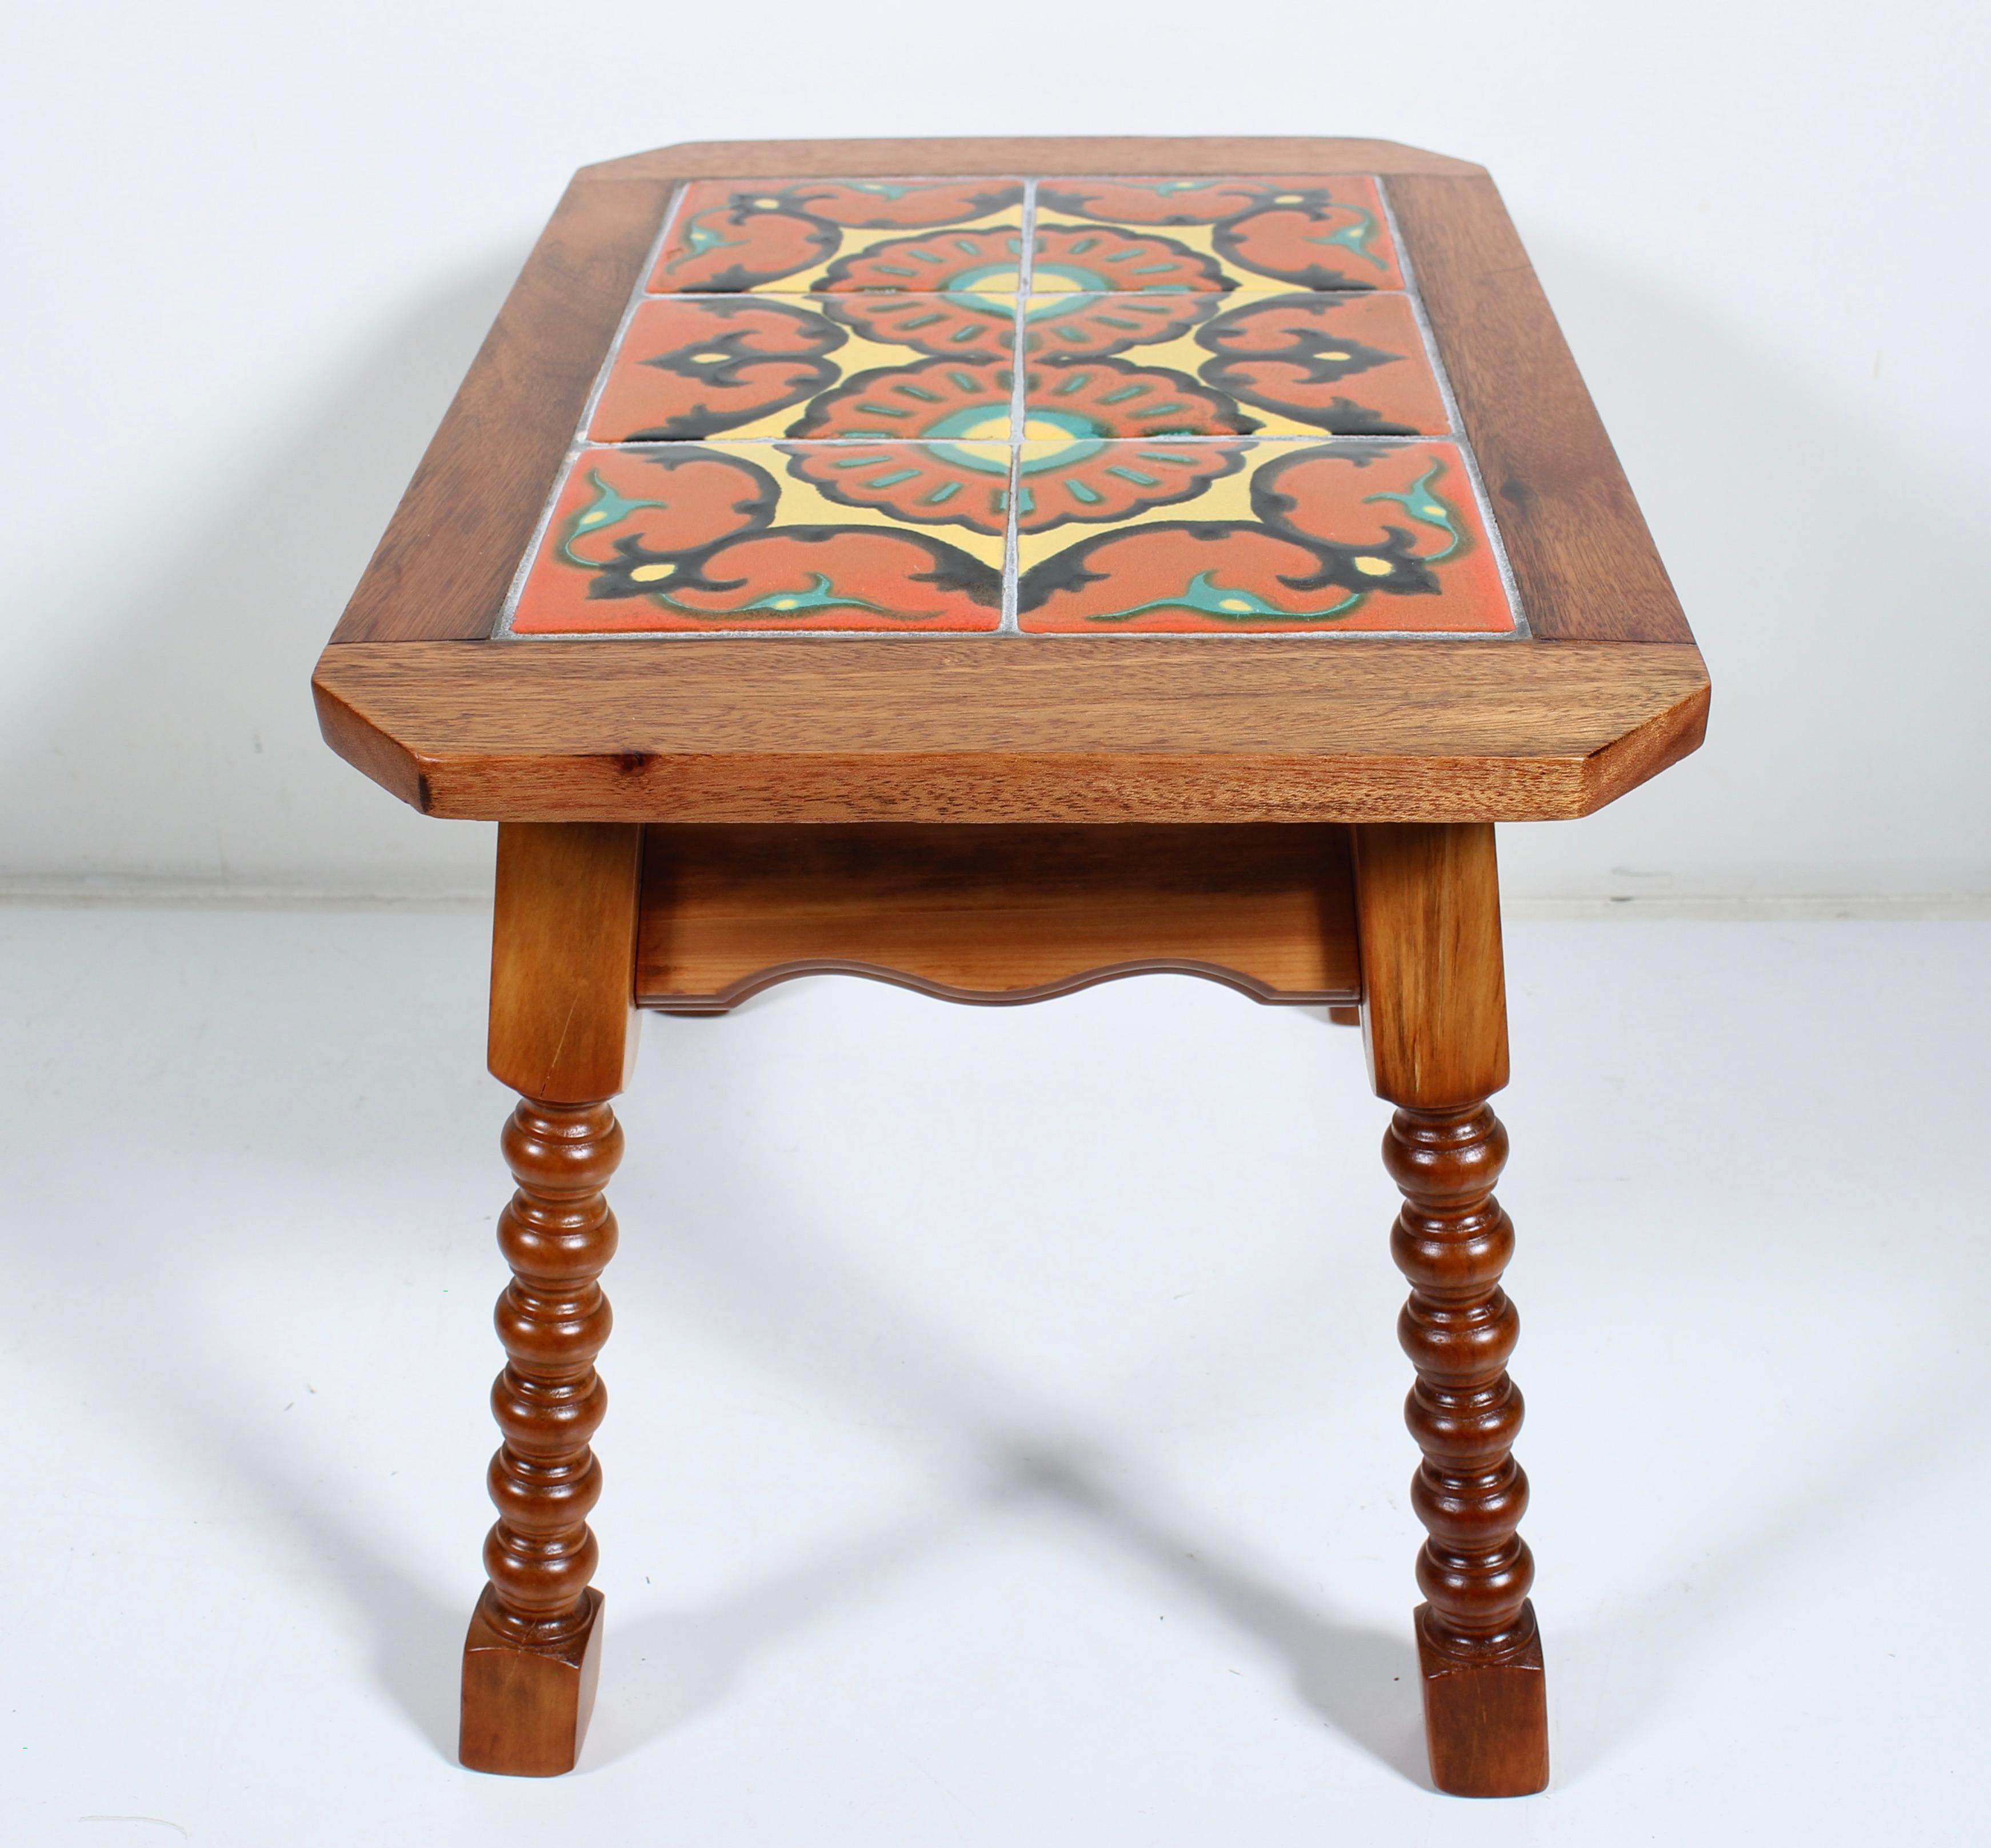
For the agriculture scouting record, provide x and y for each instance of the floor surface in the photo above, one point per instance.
(1005, 1443)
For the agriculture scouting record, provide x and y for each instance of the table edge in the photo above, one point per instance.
(1386, 731)
(860, 158)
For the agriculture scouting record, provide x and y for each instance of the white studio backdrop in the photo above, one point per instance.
(252, 250)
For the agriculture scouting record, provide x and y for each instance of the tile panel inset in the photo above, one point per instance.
(1195, 406)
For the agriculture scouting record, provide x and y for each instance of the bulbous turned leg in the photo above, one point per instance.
(1485, 1713)
(531, 1659)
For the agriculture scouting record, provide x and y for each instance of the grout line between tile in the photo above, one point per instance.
(1025, 262)
(1325, 638)
(1257, 436)
(1459, 436)
(636, 298)
(502, 628)
(579, 440)
(1018, 324)
(1009, 626)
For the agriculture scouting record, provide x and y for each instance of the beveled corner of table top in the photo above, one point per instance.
(438, 688)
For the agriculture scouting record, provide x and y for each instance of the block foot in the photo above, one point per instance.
(524, 1710)
(1486, 1724)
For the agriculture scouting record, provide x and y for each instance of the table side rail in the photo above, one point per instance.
(994, 914)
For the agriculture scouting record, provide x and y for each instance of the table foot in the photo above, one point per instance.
(526, 1706)
(1486, 1722)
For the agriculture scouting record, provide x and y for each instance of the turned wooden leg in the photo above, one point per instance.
(562, 1032)
(1481, 1656)
(1434, 1027)
(530, 1663)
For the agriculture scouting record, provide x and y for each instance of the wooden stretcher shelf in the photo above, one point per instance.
(994, 914)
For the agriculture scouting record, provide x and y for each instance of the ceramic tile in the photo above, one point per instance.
(1252, 536)
(919, 236)
(687, 537)
(692, 366)
(1291, 363)
(1108, 236)
(1214, 404)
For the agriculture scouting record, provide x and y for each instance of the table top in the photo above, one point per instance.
(1019, 481)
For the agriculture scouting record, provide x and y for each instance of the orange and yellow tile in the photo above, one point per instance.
(695, 366)
(1282, 363)
(732, 537)
(1252, 537)
(873, 367)
(801, 236)
(1115, 236)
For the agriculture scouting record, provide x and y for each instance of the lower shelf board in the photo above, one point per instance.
(995, 914)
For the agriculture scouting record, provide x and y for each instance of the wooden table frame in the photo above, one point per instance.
(1307, 819)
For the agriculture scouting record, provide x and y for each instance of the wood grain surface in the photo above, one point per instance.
(994, 914)
(1583, 560)
(446, 563)
(1434, 1003)
(1025, 155)
(524, 1711)
(564, 1024)
(1022, 729)
(1486, 1724)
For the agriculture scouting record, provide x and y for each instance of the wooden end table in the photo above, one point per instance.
(995, 566)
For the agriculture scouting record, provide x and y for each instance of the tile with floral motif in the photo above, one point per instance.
(755, 535)
(917, 237)
(1293, 363)
(692, 366)
(1115, 236)
(1252, 536)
